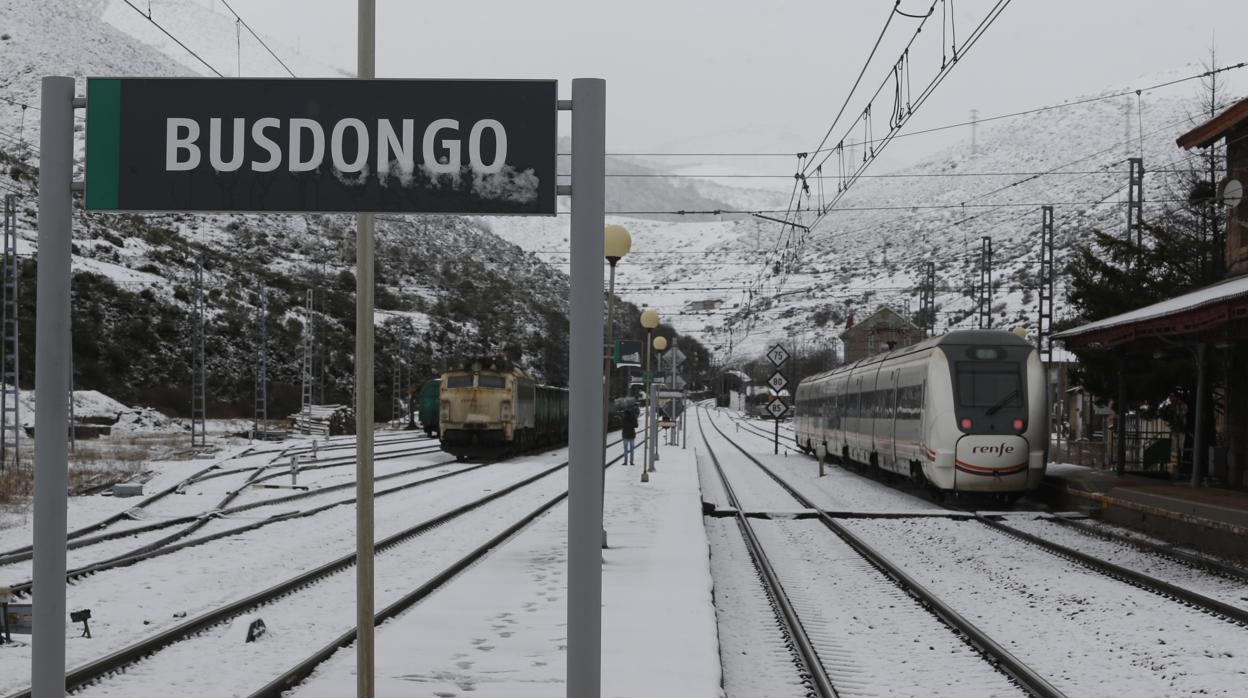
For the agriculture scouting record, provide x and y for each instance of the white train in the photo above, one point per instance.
(964, 412)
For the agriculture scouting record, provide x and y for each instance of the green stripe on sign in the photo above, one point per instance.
(103, 143)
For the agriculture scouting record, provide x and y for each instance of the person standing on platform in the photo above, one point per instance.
(628, 430)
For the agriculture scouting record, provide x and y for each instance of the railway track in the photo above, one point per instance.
(193, 522)
(1234, 613)
(830, 665)
(168, 545)
(753, 427)
(1193, 560)
(1231, 612)
(1228, 611)
(255, 475)
(117, 661)
(1097, 587)
(83, 535)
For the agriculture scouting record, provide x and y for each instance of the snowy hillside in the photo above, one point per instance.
(108, 38)
(871, 250)
(445, 285)
(733, 281)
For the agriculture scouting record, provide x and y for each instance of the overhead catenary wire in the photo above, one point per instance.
(256, 36)
(852, 209)
(987, 208)
(900, 120)
(891, 175)
(788, 154)
(893, 12)
(776, 266)
(1063, 105)
(148, 17)
(1114, 146)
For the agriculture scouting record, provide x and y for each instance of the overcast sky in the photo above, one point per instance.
(770, 75)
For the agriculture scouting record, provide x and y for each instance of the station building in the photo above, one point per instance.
(1208, 327)
(883, 330)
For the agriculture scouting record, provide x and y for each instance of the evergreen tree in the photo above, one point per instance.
(1112, 275)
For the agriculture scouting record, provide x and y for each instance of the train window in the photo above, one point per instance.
(489, 381)
(989, 385)
(911, 399)
(459, 381)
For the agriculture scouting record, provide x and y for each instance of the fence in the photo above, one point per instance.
(1152, 448)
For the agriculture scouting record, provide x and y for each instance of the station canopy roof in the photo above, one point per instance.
(1200, 312)
(1209, 132)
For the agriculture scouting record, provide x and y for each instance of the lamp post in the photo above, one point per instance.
(660, 344)
(616, 244)
(649, 320)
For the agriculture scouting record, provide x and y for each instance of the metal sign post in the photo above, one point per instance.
(360, 146)
(52, 334)
(589, 136)
(777, 356)
(364, 665)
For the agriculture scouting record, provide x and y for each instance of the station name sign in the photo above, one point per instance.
(342, 145)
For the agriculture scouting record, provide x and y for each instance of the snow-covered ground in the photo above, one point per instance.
(509, 636)
(500, 630)
(1086, 633)
(1228, 590)
(1082, 631)
(683, 610)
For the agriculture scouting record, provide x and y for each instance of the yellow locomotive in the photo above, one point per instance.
(490, 408)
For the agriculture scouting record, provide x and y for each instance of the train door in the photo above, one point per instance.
(819, 434)
(892, 421)
(858, 424)
(833, 426)
(877, 411)
(928, 456)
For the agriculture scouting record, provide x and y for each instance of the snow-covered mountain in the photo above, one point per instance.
(446, 286)
(736, 282)
(740, 283)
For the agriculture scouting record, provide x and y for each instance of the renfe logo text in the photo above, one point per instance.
(999, 450)
(306, 141)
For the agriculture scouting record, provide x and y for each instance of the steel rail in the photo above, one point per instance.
(787, 441)
(121, 515)
(83, 541)
(209, 473)
(1140, 580)
(327, 445)
(145, 551)
(121, 658)
(1026, 677)
(820, 681)
(301, 671)
(149, 552)
(117, 660)
(335, 461)
(1210, 564)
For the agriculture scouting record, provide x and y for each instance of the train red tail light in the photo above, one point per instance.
(966, 424)
(1018, 425)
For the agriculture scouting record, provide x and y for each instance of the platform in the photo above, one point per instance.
(501, 628)
(1209, 519)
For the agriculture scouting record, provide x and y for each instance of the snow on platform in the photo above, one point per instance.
(501, 628)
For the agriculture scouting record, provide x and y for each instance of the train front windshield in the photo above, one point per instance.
(990, 388)
(990, 385)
